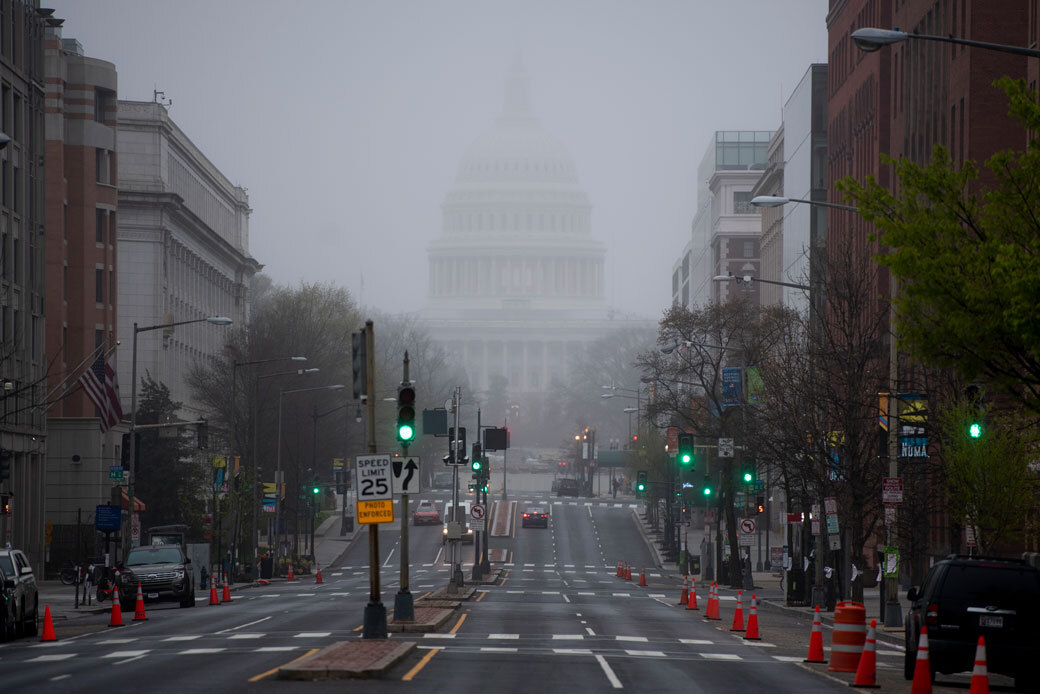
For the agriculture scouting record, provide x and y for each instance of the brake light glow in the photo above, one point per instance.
(527, 515)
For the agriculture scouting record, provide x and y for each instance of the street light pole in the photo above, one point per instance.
(215, 320)
(870, 39)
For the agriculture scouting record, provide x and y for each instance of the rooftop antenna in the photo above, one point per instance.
(159, 97)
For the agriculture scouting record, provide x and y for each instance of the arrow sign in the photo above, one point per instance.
(405, 475)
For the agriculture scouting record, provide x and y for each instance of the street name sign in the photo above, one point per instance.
(406, 475)
(115, 472)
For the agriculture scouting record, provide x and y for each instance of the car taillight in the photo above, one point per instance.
(545, 515)
(527, 515)
(931, 615)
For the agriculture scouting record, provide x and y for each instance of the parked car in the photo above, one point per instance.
(164, 572)
(20, 591)
(568, 487)
(426, 514)
(963, 598)
(535, 515)
(8, 616)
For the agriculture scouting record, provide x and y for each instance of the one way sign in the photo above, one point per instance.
(406, 475)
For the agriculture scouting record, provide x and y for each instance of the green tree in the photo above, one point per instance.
(966, 249)
(171, 477)
(990, 483)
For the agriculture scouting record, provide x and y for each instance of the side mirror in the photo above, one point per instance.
(912, 595)
(26, 570)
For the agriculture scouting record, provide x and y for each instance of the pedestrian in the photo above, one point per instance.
(614, 486)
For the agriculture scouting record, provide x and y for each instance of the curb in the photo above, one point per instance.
(651, 545)
(326, 664)
(443, 615)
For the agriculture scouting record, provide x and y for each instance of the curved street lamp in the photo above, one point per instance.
(748, 279)
(215, 320)
(870, 39)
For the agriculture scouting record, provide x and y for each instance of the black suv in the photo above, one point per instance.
(568, 487)
(164, 572)
(21, 600)
(966, 597)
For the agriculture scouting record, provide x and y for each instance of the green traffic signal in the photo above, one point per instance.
(975, 430)
(748, 477)
(316, 490)
(476, 465)
(405, 432)
(406, 413)
(685, 448)
(707, 490)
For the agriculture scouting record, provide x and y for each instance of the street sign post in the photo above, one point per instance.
(725, 448)
(892, 490)
(747, 531)
(406, 475)
(477, 515)
(115, 472)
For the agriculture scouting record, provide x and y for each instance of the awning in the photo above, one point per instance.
(138, 504)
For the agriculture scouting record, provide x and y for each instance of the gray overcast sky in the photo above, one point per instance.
(346, 120)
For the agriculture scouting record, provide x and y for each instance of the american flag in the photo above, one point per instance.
(99, 381)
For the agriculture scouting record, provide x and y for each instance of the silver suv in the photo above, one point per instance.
(164, 573)
(20, 592)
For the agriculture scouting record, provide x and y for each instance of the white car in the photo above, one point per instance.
(463, 508)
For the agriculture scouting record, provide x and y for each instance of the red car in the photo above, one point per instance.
(426, 514)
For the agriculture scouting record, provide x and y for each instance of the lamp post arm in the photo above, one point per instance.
(823, 203)
(1003, 48)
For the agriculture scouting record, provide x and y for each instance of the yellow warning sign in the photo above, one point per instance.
(381, 511)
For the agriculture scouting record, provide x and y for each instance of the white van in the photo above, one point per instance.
(464, 507)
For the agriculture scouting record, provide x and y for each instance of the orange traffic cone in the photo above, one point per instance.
(816, 641)
(226, 595)
(139, 615)
(618, 574)
(922, 683)
(214, 599)
(738, 615)
(291, 578)
(979, 675)
(866, 673)
(628, 571)
(117, 608)
(716, 613)
(691, 603)
(48, 626)
(752, 621)
(642, 577)
(317, 577)
(709, 610)
(685, 595)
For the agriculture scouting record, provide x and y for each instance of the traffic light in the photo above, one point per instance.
(406, 413)
(974, 398)
(641, 481)
(747, 474)
(685, 456)
(760, 504)
(707, 488)
(5, 505)
(359, 365)
(975, 430)
(478, 463)
(316, 488)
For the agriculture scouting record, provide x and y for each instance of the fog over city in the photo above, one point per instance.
(346, 121)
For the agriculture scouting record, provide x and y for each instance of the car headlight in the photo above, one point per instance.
(128, 577)
(444, 530)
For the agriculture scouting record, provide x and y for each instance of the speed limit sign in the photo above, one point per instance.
(374, 475)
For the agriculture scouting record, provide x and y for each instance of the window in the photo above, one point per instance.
(100, 105)
(111, 286)
(749, 249)
(99, 225)
(101, 168)
(111, 227)
(99, 285)
(742, 203)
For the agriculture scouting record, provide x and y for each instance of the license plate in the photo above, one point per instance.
(989, 620)
(153, 595)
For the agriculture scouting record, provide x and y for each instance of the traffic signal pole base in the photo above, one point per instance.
(404, 608)
(374, 626)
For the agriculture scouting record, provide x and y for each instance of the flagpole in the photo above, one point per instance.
(76, 369)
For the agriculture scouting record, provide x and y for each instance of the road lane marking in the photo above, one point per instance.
(247, 636)
(60, 677)
(438, 636)
(788, 658)
(52, 658)
(483, 595)
(655, 654)
(273, 670)
(639, 639)
(458, 624)
(190, 637)
(108, 642)
(698, 642)
(124, 654)
(609, 672)
(420, 665)
(200, 651)
(499, 649)
(572, 651)
(312, 634)
(276, 649)
(720, 656)
(591, 632)
(241, 626)
(503, 636)
(622, 595)
(565, 598)
(568, 637)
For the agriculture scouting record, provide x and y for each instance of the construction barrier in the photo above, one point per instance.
(866, 673)
(850, 631)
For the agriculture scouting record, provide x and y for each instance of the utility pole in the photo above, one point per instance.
(404, 607)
